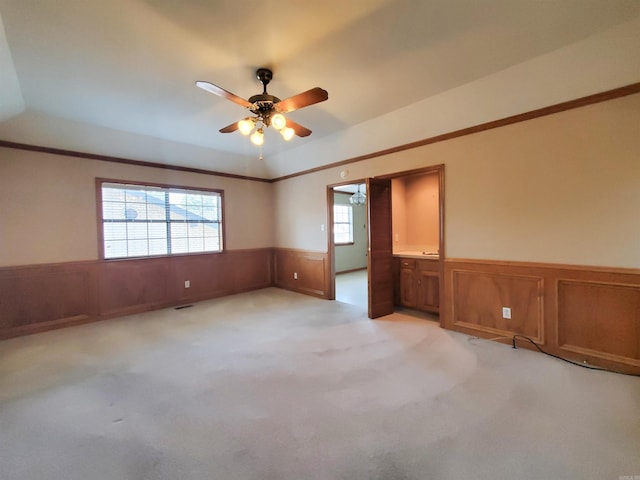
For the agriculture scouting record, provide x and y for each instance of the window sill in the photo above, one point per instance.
(144, 257)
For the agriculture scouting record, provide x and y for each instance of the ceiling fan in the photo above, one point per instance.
(267, 109)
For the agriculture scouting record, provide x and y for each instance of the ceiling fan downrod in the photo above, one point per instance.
(265, 76)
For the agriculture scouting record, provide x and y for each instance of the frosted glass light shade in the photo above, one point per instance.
(278, 121)
(258, 137)
(245, 126)
(287, 133)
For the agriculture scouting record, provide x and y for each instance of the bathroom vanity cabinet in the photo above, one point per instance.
(417, 283)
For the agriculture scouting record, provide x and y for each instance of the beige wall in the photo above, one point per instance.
(415, 213)
(564, 188)
(398, 214)
(48, 207)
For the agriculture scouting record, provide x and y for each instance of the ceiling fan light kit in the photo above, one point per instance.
(246, 126)
(278, 121)
(287, 133)
(258, 137)
(268, 110)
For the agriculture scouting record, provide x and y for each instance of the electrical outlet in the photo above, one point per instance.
(295, 275)
(506, 312)
(187, 284)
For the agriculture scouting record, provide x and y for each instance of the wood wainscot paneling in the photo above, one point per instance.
(134, 285)
(585, 314)
(226, 273)
(208, 277)
(130, 286)
(301, 271)
(40, 297)
(485, 295)
(600, 319)
(252, 269)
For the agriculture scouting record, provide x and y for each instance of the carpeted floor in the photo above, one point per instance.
(276, 385)
(352, 288)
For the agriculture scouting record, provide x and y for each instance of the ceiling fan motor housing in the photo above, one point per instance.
(264, 75)
(263, 104)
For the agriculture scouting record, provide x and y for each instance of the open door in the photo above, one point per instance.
(380, 248)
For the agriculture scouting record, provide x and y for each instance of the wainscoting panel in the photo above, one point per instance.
(35, 298)
(587, 314)
(252, 269)
(601, 319)
(207, 277)
(285, 264)
(130, 286)
(42, 297)
(301, 271)
(216, 275)
(485, 294)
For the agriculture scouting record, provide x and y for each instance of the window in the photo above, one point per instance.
(342, 224)
(147, 220)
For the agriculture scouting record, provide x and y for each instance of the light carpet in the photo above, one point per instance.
(275, 385)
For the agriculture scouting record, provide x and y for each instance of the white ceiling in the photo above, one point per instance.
(351, 188)
(117, 77)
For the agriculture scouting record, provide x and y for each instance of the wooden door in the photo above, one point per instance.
(380, 248)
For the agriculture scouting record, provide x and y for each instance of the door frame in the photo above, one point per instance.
(435, 169)
(331, 247)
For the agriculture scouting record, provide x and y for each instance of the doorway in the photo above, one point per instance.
(381, 272)
(348, 243)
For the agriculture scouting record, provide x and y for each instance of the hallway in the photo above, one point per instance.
(351, 288)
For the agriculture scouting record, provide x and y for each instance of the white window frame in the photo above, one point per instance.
(140, 220)
(342, 217)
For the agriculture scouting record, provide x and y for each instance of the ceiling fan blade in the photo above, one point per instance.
(216, 90)
(230, 128)
(299, 129)
(304, 99)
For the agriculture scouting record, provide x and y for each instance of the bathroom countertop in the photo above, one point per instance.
(418, 255)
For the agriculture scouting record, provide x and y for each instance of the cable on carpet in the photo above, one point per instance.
(583, 365)
(476, 340)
